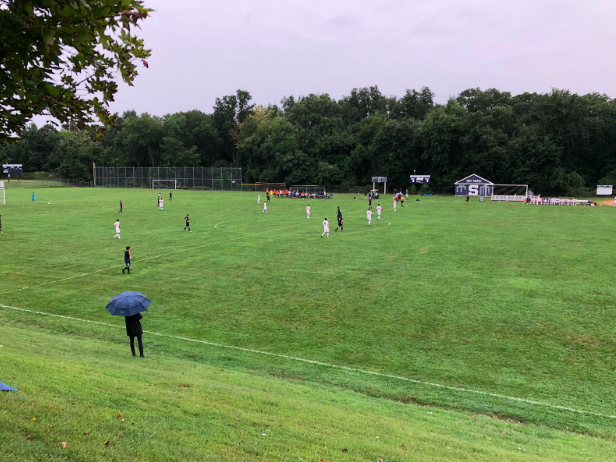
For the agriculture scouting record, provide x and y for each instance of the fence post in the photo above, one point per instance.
(194, 179)
(222, 181)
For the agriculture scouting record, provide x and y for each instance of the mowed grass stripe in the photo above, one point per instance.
(335, 366)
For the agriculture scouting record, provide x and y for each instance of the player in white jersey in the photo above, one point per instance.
(259, 200)
(117, 227)
(264, 207)
(395, 203)
(308, 212)
(369, 216)
(378, 211)
(325, 228)
(160, 204)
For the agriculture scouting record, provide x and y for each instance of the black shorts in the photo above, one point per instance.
(127, 262)
(187, 224)
(339, 221)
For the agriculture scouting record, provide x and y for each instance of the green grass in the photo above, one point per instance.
(30, 184)
(507, 299)
(166, 408)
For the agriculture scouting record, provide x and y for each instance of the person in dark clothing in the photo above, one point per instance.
(127, 257)
(134, 329)
(121, 208)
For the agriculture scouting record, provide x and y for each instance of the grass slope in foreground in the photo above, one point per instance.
(503, 298)
(165, 408)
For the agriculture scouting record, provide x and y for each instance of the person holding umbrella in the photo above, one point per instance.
(134, 329)
(130, 305)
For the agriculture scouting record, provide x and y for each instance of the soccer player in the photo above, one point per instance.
(308, 212)
(402, 200)
(170, 196)
(160, 204)
(325, 227)
(117, 227)
(121, 208)
(369, 216)
(259, 199)
(378, 211)
(267, 196)
(127, 257)
(264, 207)
(187, 221)
(467, 197)
(33, 198)
(340, 224)
(395, 203)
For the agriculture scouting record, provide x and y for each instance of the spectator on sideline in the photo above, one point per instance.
(134, 329)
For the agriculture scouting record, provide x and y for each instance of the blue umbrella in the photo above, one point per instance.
(128, 304)
(4, 387)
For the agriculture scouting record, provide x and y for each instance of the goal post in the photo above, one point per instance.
(509, 192)
(164, 184)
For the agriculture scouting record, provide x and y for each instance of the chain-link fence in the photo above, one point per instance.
(223, 179)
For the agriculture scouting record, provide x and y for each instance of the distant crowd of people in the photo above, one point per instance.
(537, 200)
(295, 194)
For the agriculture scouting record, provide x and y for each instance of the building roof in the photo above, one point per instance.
(473, 179)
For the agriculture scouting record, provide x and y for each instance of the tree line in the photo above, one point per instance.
(558, 142)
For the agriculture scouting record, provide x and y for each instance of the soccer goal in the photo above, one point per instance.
(509, 192)
(164, 184)
(2, 193)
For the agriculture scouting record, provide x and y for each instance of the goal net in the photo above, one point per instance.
(509, 192)
(164, 184)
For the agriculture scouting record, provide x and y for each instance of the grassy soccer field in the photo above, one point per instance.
(491, 300)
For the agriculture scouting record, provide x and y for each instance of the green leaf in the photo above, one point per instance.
(48, 36)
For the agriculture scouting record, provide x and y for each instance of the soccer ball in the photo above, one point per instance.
(48, 203)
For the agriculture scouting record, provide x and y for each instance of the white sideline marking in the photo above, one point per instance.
(334, 366)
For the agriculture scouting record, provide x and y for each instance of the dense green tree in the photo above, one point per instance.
(557, 142)
(61, 57)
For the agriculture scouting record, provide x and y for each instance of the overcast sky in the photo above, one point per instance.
(206, 49)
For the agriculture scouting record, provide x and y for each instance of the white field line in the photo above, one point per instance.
(334, 366)
(140, 260)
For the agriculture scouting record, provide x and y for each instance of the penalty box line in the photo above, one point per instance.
(330, 365)
(138, 261)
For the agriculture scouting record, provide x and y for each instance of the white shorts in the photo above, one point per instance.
(326, 230)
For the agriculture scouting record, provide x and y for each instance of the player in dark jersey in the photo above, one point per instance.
(170, 196)
(127, 257)
(340, 222)
(121, 208)
(187, 220)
